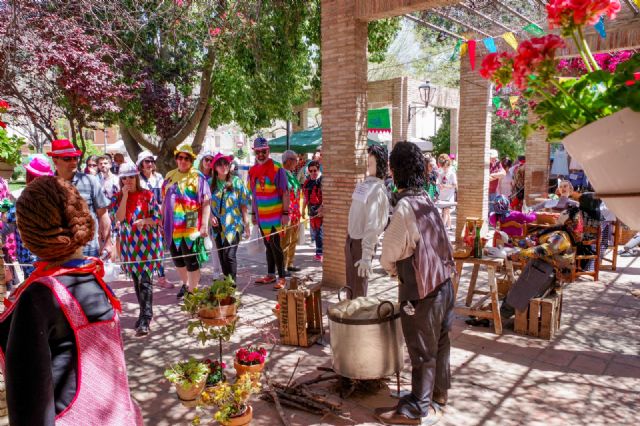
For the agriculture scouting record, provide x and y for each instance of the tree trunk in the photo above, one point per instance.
(132, 147)
(198, 140)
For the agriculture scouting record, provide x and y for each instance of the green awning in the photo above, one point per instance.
(303, 142)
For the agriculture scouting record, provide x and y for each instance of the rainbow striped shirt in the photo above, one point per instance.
(267, 199)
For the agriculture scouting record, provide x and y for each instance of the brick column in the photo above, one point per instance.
(537, 170)
(400, 109)
(473, 149)
(453, 136)
(344, 125)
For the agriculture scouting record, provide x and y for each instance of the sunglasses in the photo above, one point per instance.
(68, 159)
(207, 159)
(183, 158)
(260, 151)
(149, 161)
(127, 177)
(313, 170)
(92, 165)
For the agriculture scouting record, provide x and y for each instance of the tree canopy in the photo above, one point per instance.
(167, 69)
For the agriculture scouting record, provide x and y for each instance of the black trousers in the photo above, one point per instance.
(144, 292)
(352, 253)
(426, 334)
(275, 256)
(227, 254)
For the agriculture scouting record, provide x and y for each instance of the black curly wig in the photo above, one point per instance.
(407, 166)
(380, 154)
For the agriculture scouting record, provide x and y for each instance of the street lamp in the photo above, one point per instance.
(427, 92)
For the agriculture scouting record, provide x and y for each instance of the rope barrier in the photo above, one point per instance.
(162, 259)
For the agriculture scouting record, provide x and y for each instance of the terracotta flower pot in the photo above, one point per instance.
(241, 420)
(220, 315)
(244, 369)
(608, 150)
(6, 170)
(190, 392)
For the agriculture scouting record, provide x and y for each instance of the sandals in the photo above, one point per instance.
(267, 279)
(280, 284)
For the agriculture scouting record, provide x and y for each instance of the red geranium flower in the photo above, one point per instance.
(536, 56)
(569, 14)
(497, 67)
(3, 124)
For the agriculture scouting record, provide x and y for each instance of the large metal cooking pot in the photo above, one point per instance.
(366, 349)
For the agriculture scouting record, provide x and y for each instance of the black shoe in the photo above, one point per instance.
(143, 330)
(182, 292)
(138, 321)
(293, 269)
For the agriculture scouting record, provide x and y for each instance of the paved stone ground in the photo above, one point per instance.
(589, 374)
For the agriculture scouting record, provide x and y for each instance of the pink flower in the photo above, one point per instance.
(214, 32)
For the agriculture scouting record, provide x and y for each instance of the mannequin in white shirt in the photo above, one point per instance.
(368, 217)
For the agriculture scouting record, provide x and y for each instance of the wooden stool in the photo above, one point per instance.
(491, 294)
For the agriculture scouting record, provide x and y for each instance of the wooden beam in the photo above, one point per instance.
(482, 15)
(370, 10)
(632, 6)
(474, 29)
(433, 27)
(514, 12)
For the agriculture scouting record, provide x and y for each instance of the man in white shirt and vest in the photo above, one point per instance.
(416, 248)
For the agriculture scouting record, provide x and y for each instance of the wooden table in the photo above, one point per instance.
(491, 263)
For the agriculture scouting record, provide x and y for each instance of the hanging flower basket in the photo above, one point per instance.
(608, 150)
(6, 170)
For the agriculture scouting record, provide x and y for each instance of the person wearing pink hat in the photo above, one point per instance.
(229, 212)
(37, 167)
(65, 158)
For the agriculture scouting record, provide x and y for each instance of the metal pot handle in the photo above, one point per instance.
(345, 288)
(393, 311)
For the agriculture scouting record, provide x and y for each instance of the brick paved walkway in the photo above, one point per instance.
(589, 374)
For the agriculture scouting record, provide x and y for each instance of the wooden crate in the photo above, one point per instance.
(542, 317)
(300, 314)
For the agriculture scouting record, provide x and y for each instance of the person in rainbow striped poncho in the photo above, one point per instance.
(268, 183)
(186, 213)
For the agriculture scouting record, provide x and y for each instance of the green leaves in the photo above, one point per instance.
(10, 148)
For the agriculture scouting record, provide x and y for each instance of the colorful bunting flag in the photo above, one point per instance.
(463, 49)
(511, 40)
(490, 45)
(472, 53)
(513, 101)
(534, 30)
(599, 26)
(456, 51)
(496, 101)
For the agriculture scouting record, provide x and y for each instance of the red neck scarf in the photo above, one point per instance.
(46, 269)
(267, 169)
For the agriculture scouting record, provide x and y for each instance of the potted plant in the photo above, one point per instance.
(214, 305)
(250, 359)
(596, 115)
(232, 400)
(189, 378)
(216, 372)
(10, 153)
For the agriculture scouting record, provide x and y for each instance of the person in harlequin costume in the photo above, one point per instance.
(368, 216)
(269, 209)
(138, 213)
(60, 339)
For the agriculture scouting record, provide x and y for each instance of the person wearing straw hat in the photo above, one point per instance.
(138, 213)
(65, 158)
(186, 213)
(270, 209)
